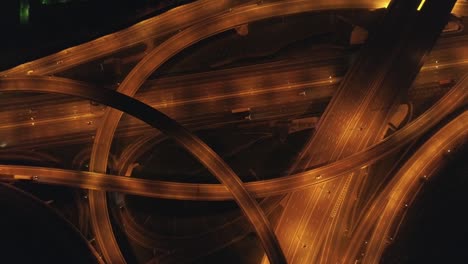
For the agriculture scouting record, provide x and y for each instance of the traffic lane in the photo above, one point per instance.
(455, 130)
(260, 188)
(182, 136)
(427, 160)
(170, 21)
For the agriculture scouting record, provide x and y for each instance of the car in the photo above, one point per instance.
(242, 113)
(446, 82)
(35, 178)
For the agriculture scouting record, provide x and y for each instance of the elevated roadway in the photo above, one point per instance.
(168, 126)
(148, 30)
(355, 118)
(138, 85)
(66, 120)
(372, 232)
(163, 26)
(453, 100)
(219, 92)
(149, 64)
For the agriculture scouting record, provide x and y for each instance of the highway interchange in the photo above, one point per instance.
(343, 171)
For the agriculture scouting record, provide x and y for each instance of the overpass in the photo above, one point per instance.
(186, 139)
(455, 99)
(365, 99)
(34, 71)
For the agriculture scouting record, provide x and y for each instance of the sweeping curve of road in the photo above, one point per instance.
(101, 196)
(186, 139)
(454, 99)
(454, 131)
(159, 26)
(146, 30)
(403, 187)
(73, 178)
(132, 82)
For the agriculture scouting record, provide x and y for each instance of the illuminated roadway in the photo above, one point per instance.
(64, 120)
(137, 85)
(312, 225)
(58, 119)
(402, 188)
(67, 118)
(99, 215)
(143, 70)
(454, 99)
(405, 189)
(163, 25)
(186, 139)
(160, 27)
(429, 113)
